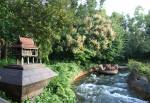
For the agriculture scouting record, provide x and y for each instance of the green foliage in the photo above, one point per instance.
(3, 95)
(76, 31)
(59, 89)
(61, 27)
(138, 38)
(64, 29)
(100, 36)
(89, 39)
(116, 50)
(141, 68)
(44, 23)
(4, 62)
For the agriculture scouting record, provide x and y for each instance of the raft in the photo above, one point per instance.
(111, 72)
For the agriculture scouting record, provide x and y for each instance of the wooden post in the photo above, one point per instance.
(17, 62)
(22, 60)
(28, 60)
(40, 61)
(32, 59)
(37, 60)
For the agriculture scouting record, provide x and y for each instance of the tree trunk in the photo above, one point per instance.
(2, 48)
(4, 51)
(1, 45)
(5, 56)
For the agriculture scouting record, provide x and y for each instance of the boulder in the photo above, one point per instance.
(139, 84)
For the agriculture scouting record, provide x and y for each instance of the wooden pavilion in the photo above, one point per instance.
(25, 50)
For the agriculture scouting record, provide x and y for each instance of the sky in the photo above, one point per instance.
(126, 6)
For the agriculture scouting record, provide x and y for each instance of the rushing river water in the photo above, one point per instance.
(105, 89)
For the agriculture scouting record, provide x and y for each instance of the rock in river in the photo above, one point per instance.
(139, 84)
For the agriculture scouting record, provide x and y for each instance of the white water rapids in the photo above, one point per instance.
(105, 89)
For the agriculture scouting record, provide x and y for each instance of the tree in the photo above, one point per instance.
(5, 26)
(137, 37)
(116, 50)
(43, 22)
(94, 35)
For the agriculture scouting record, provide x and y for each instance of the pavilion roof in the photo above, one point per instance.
(26, 43)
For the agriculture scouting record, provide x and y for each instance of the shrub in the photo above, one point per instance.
(59, 89)
(4, 62)
(141, 68)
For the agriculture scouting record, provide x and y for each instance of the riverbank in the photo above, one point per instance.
(143, 68)
(139, 78)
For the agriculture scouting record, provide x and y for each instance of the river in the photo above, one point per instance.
(97, 88)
